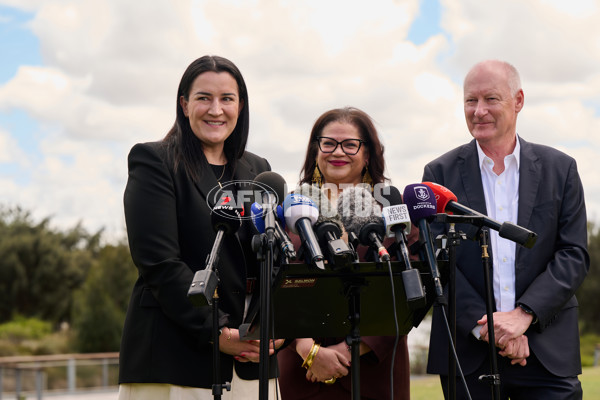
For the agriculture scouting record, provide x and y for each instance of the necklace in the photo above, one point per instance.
(221, 177)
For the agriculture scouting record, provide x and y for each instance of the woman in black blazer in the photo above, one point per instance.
(166, 349)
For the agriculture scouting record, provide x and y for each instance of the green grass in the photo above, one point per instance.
(590, 381)
(428, 387)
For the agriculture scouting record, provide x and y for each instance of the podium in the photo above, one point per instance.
(310, 302)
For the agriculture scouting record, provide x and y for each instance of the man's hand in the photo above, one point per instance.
(509, 329)
(517, 350)
(507, 326)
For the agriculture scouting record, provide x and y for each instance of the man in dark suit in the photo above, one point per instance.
(509, 179)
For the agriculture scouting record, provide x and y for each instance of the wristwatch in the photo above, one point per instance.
(528, 311)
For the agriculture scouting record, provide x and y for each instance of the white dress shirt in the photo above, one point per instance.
(502, 203)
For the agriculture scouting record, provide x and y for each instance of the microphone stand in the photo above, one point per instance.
(352, 292)
(494, 378)
(217, 387)
(203, 291)
(263, 247)
(264, 254)
(353, 339)
(453, 242)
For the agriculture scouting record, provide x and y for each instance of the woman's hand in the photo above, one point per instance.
(330, 362)
(244, 350)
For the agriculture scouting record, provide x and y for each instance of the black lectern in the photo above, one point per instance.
(310, 302)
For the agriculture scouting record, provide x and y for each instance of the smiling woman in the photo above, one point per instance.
(166, 350)
(213, 108)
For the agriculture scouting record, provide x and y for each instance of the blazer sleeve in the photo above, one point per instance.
(560, 219)
(151, 217)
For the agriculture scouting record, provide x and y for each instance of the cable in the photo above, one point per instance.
(460, 372)
(389, 263)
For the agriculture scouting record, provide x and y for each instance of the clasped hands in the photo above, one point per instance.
(244, 350)
(330, 362)
(509, 329)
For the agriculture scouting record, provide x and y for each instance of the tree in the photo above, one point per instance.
(40, 267)
(102, 301)
(587, 295)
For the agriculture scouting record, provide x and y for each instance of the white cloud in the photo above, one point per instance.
(111, 71)
(10, 152)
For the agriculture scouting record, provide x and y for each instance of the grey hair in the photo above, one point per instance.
(513, 81)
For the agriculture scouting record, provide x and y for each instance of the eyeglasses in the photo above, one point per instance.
(349, 146)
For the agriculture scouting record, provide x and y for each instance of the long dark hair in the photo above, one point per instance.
(368, 133)
(185, 149)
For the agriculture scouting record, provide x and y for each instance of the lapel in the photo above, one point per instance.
(208, 184)
(470, 174)
(529, 182)
(244, 170)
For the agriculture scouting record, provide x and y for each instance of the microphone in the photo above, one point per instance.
(286, 245)
(300, 215)
(447, 201)
(360, 215)
(421, 205)
(328, 228)
(225, 219)
(397, 221)
(271, 185)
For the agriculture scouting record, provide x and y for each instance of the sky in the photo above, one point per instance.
(82, 81)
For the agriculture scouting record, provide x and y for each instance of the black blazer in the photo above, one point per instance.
(166, 339)
(551, 204)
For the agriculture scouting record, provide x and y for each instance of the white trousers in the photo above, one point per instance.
(240, 390)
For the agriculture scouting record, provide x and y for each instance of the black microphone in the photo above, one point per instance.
(447, 201)
(397, 221)
(421, 205)
(328, 229)
(361, 215)
(285, 244)
(225, 219)
(272, 188)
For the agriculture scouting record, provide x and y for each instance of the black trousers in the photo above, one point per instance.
(531, 382)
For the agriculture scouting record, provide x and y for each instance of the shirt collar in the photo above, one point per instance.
(516, 154)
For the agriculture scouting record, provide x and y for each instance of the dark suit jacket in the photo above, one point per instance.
(551, 204)
(165, 338)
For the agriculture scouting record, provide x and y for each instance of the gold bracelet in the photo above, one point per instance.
(311, 355)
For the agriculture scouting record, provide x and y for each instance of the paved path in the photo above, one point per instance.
(92, 395)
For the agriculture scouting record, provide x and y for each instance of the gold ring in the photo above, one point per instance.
(330, 381)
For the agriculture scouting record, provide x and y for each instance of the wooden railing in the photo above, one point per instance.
(57, 373)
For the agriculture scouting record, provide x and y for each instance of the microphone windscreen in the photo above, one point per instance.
(420, 200)
(395, 213)
(272, 182)
(327, 212)
(443, 196)
(297, 206)
(357, 207)
(392, 195)
(225, 217)
(256, 212)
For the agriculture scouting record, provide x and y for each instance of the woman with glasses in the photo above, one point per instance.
(344, 149)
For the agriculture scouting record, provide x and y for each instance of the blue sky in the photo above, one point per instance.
(18, 45)
(110, 70)
(426, 23)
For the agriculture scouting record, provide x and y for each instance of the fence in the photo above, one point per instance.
(21, 375)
